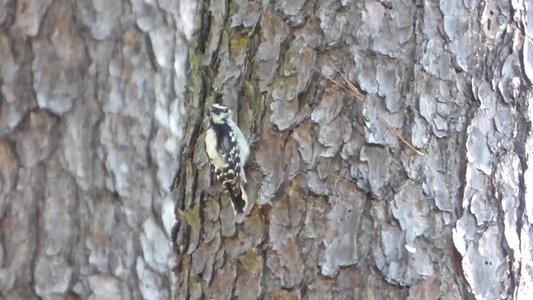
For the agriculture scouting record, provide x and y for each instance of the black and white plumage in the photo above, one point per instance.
(228, 151)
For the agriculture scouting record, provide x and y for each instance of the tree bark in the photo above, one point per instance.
(95, 104)
(91, 118)
(415, 188)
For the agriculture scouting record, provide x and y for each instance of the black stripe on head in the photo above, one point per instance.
(218, 109)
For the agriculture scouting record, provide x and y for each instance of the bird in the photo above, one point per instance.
(228, 151)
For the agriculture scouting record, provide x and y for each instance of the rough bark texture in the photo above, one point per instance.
(94, 109)
(344, 209)
(90, 125)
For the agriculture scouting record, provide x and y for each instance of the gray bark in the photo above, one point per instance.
(344, 209)
(95, 105)
(90, 126)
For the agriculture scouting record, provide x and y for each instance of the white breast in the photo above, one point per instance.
(211, 149)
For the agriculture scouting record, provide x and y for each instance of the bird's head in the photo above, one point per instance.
(218, 113)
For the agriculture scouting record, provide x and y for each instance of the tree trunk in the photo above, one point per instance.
(91, 118)
(94, 108)
(392, 153)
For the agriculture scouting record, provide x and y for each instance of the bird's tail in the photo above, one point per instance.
(238, 197)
